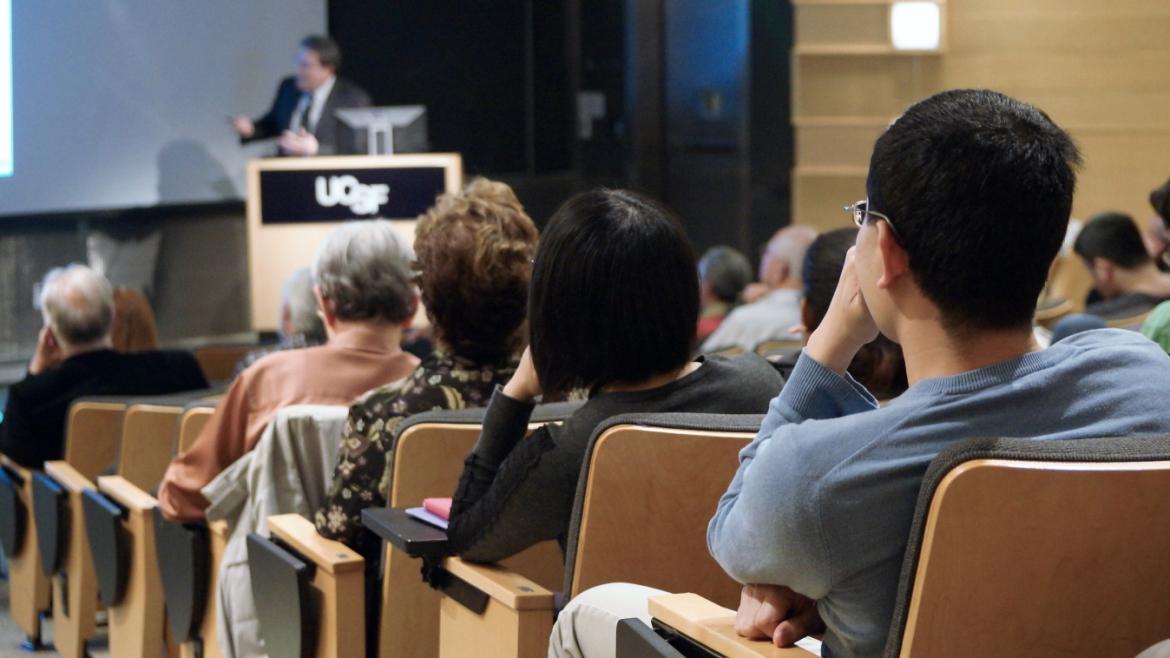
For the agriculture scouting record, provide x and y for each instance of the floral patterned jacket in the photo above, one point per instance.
(361, 477)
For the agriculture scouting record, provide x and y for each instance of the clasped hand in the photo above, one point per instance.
(776, 613)
(301, 142)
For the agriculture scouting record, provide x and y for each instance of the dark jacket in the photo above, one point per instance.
(332, 136)
(33, 430)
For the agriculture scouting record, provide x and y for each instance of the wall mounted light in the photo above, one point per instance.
(916, 25)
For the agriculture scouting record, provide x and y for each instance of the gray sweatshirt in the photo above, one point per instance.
(824, 496)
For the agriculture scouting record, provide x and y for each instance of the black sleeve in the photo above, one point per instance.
(514, 491)
(266, 125)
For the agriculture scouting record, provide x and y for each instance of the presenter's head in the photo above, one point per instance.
(318, 59)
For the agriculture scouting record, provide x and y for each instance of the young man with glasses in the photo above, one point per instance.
(969, 195)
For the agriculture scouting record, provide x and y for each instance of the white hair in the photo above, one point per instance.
(77, 303)
(363, 268)
(297, 295)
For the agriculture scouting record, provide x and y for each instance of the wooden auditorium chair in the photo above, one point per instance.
(429, 450)
(91, 432)
(218, 362)
(648, 487)
(63, 506)
(1018, 548)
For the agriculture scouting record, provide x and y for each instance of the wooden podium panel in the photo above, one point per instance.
(293, 203)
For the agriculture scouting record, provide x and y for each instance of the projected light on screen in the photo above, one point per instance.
(5, 88)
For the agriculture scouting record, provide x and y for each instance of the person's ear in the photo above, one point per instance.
(325, 308)
(895, 262)
(51, 337)
(1103, 270)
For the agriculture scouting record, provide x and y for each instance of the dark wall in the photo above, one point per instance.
(491, 73)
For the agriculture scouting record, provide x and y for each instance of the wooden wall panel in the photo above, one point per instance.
(1096, 67)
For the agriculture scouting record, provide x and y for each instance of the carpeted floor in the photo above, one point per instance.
(11, 637)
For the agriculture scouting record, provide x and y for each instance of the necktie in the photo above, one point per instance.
(307, 103)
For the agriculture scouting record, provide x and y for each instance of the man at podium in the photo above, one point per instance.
(303, 114)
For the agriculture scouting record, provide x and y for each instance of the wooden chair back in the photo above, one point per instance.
(651, 485)
(1029, 532)
(148, 442)
(218, 362)
(191, 423)
(777, 346)
(428, 459)
(1133, 322)
(91, 435)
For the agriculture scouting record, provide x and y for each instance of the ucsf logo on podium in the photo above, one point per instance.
(348, 191)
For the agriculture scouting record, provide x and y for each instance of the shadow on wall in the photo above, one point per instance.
(188, 172)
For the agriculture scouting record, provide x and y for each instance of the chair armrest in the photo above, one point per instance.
(407, 534)
(68, 477)
(126, 494)
(329, 555)
(508, 587)
(713, 626)
(22, 473)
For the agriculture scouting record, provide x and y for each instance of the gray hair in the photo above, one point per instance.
(363, 267)
(726, 270)
(78, 304)
(297, 294)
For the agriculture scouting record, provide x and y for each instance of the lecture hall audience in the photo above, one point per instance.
(775, 312)
(300, 323)
(75, 357)
(723, 274)
(612, 309)
(473, 260)
(365, 295)
(1126, 277)
(815, 521)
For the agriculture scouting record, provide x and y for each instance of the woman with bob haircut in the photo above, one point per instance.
(612, 309)
(473, 258)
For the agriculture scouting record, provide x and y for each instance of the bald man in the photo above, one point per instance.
(772, 315)
(75, 358)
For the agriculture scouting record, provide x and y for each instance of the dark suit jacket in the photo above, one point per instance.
(331, 134)
(33, 430)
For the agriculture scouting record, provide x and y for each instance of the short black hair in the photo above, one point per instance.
(326, 48)
(1160, 201)
(822, 269)
(978, 188)
(1115, 237)
(614, 294)
(727, 271)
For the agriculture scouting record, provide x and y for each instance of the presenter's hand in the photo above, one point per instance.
(48, 354)
(524, 384)
(776, 613)
(301, 142)
(243, 126)
(847, 326)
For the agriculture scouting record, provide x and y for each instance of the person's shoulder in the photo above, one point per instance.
(747, 365)
(348, 89)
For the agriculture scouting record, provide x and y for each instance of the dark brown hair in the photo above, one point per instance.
(473, 255)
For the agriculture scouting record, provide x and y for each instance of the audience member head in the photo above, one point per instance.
(362, 275)
(783, 257)
(723, 274)
(1160, 201)
(977, 188)
(613, 293)
(1110, 244)
(318, 59)
(473, 254)
(878, 365)
(298, 308)
(77, 305)
(1157, 233)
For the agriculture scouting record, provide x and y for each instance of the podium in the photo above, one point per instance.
(293, 203)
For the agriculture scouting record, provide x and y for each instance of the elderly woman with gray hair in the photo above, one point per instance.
(363, 287)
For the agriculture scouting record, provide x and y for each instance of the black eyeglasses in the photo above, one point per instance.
(861, 214)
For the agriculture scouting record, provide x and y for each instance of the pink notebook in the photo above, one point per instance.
(440, 507)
